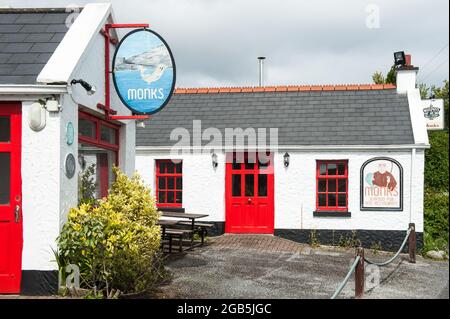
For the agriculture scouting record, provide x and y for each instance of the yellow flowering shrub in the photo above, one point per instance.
(115, 244)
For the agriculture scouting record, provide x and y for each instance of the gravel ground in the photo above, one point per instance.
(249, 271)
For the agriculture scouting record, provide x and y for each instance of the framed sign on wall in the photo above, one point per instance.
(382, 185)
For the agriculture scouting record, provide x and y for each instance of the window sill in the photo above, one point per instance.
(171, 209)
(329, 213)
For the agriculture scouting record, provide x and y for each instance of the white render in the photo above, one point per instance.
(295, 196)
(47, 193)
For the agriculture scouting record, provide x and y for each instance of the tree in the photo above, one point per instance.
(379, 78)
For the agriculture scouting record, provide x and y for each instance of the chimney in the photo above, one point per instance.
(261, 70)
(406, 76)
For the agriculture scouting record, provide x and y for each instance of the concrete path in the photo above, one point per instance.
(260, 266)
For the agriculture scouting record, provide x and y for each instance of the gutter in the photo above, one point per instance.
(145, 149)
(23, 92)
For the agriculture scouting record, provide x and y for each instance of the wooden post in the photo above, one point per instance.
(412, 243)
(359, 274)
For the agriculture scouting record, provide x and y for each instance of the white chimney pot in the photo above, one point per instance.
(406, 76)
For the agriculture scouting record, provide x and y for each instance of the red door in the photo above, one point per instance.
(10, 198)
(249, 194)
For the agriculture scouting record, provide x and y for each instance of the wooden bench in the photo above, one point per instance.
(170, 233)
(201, 228)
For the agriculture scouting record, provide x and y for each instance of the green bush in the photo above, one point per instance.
(436, 162)
(436, 203)
(115, 243)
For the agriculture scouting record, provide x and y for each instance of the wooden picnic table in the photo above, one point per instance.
(191, 217)
(164, 223)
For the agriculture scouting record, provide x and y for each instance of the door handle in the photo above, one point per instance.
(249, 200)
(17, 213)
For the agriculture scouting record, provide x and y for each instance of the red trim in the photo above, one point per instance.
(290, 88)
(166, 190)
(109, 112)
(11, 232)
(325, 177)
(249, 214)
(97, 141)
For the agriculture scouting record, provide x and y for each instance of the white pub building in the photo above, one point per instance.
(338, 160)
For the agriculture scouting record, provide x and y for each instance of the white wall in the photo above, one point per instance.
(295, 193)
(48, 194)
(203, 186)
(204, 189)
(41, 181)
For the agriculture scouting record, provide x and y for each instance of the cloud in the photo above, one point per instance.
(216, 42)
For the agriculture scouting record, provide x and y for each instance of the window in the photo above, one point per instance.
(332, 186)
(169, 183)
(98, 146)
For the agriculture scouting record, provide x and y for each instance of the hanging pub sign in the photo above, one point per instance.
(433, 111)
(144, 71)
(382, 184)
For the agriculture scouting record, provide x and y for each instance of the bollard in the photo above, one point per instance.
(359, 274)
(412, 243)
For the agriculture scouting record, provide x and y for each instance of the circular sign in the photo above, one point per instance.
(144, 71)
(70, 133)
(70, 165)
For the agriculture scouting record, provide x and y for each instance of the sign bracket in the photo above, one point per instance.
(110, 114)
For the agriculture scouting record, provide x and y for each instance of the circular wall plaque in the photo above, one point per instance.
(144, 71)
(70, 165)
(70, 133)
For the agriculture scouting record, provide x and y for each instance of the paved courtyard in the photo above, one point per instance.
(260, 266)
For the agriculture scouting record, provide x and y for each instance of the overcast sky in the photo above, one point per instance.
(216, 42)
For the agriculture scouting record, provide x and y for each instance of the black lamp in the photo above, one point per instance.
(214, 160)
(90, 89)
(400, 58)
(286, 158)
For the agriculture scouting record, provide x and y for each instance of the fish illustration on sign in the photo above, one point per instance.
(144, 72)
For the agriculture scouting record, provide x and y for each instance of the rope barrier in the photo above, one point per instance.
(359, 275)
(347, 277)
(394, 257)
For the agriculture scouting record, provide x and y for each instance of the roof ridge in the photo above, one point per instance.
(285, 88)
(39, 10)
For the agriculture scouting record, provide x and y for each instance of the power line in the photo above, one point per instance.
(434, 70)
(435, 56)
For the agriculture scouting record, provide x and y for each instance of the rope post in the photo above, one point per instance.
(412, 243)
(359, 274)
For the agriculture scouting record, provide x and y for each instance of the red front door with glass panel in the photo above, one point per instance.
(10, 198)
(249, 194)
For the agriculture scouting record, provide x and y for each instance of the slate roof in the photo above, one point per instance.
(352, 115)
(28, 37)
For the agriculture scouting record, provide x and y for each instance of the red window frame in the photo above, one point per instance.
(98, 142)
(166, 176)
(327, 177)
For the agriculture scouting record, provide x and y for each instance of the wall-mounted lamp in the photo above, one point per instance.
(140, 124)
(214, 160)
(90, 89)
(286, 158)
